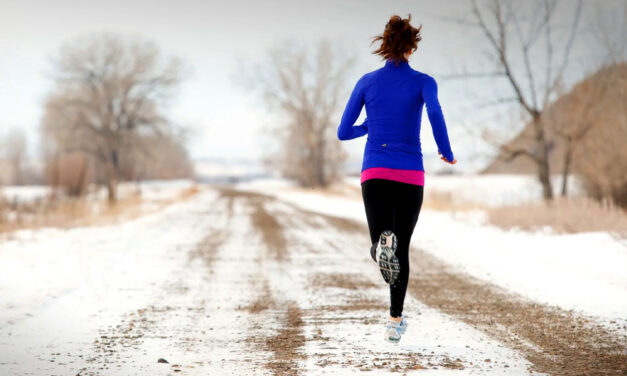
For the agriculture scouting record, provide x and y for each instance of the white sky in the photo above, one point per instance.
(214, 38)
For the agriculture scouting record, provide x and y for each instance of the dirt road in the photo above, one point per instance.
(261, 287)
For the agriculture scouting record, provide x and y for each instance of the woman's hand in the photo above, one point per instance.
(446, 160)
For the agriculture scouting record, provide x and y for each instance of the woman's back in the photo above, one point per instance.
(394, 96)
(393, 102)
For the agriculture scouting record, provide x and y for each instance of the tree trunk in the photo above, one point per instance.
(17, 171)
(112, 183)
(321, 176)
(544, 170)
(566, 171)
(544, 175)
(112, 190)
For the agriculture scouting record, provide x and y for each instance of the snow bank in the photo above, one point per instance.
(150, 189)
(25, 193)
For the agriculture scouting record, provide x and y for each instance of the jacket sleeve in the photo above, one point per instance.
(347, 130)
(436, 118)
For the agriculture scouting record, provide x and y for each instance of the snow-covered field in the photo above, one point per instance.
(264, 278)
(28, 206)
(67, 292)
(24, 193)
(60, 288)
(151, 189)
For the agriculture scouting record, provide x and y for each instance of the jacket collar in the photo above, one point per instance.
(393, 64)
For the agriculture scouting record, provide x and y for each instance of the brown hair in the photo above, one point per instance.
(398, 38)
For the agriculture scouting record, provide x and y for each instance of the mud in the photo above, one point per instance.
(286, 345)
(344, 281)
(562, 342)
(262, 302)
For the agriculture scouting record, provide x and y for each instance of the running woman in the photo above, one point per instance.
(392, 174)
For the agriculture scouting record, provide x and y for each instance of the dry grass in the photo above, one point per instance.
(563, 215)
(435, 200)
(445, 201)
(73, 212)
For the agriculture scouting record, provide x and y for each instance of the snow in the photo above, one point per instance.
(584, 272)
(218, 170)
(430, 331)
(151, 189)
(154, 193)
(63, 291)
(156, 190)
(24, 193)
(65, 286)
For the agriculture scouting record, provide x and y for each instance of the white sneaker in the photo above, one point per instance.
(394, 330)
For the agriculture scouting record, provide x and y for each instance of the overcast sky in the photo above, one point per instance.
(215, 38)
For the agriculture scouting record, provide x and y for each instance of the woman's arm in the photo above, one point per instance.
(347, 130)
(436, 118)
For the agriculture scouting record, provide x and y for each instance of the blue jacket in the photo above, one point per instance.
(394, 96)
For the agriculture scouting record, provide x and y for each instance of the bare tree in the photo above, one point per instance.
(505, 32)
(601, 157)
(609, 31)
(306, 84)
(107, 93)
(15, 155)
(156, 157)
(574, 115)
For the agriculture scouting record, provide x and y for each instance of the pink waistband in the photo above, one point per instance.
(404, 176)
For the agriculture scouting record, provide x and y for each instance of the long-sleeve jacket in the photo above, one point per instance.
(394, 96)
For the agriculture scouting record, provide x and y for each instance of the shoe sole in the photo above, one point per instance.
(388, 262)
(390, 340)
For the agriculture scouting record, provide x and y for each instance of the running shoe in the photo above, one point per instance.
(394, 330)
(386, 258)
(403, 325)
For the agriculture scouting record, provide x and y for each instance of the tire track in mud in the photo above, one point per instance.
(266, 224)
(285, 343)
(554, 340)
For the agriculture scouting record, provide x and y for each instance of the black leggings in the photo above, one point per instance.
(391, 205)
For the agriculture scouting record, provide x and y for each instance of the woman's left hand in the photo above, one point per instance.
(446, 160)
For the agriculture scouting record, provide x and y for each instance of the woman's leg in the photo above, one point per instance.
(406, 210)
(378, 202)
(393, 206)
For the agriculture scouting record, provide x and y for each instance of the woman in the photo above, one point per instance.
(392, 175)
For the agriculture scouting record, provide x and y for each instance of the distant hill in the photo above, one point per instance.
(602, 98)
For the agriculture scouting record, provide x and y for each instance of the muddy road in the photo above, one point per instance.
(267, 288)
